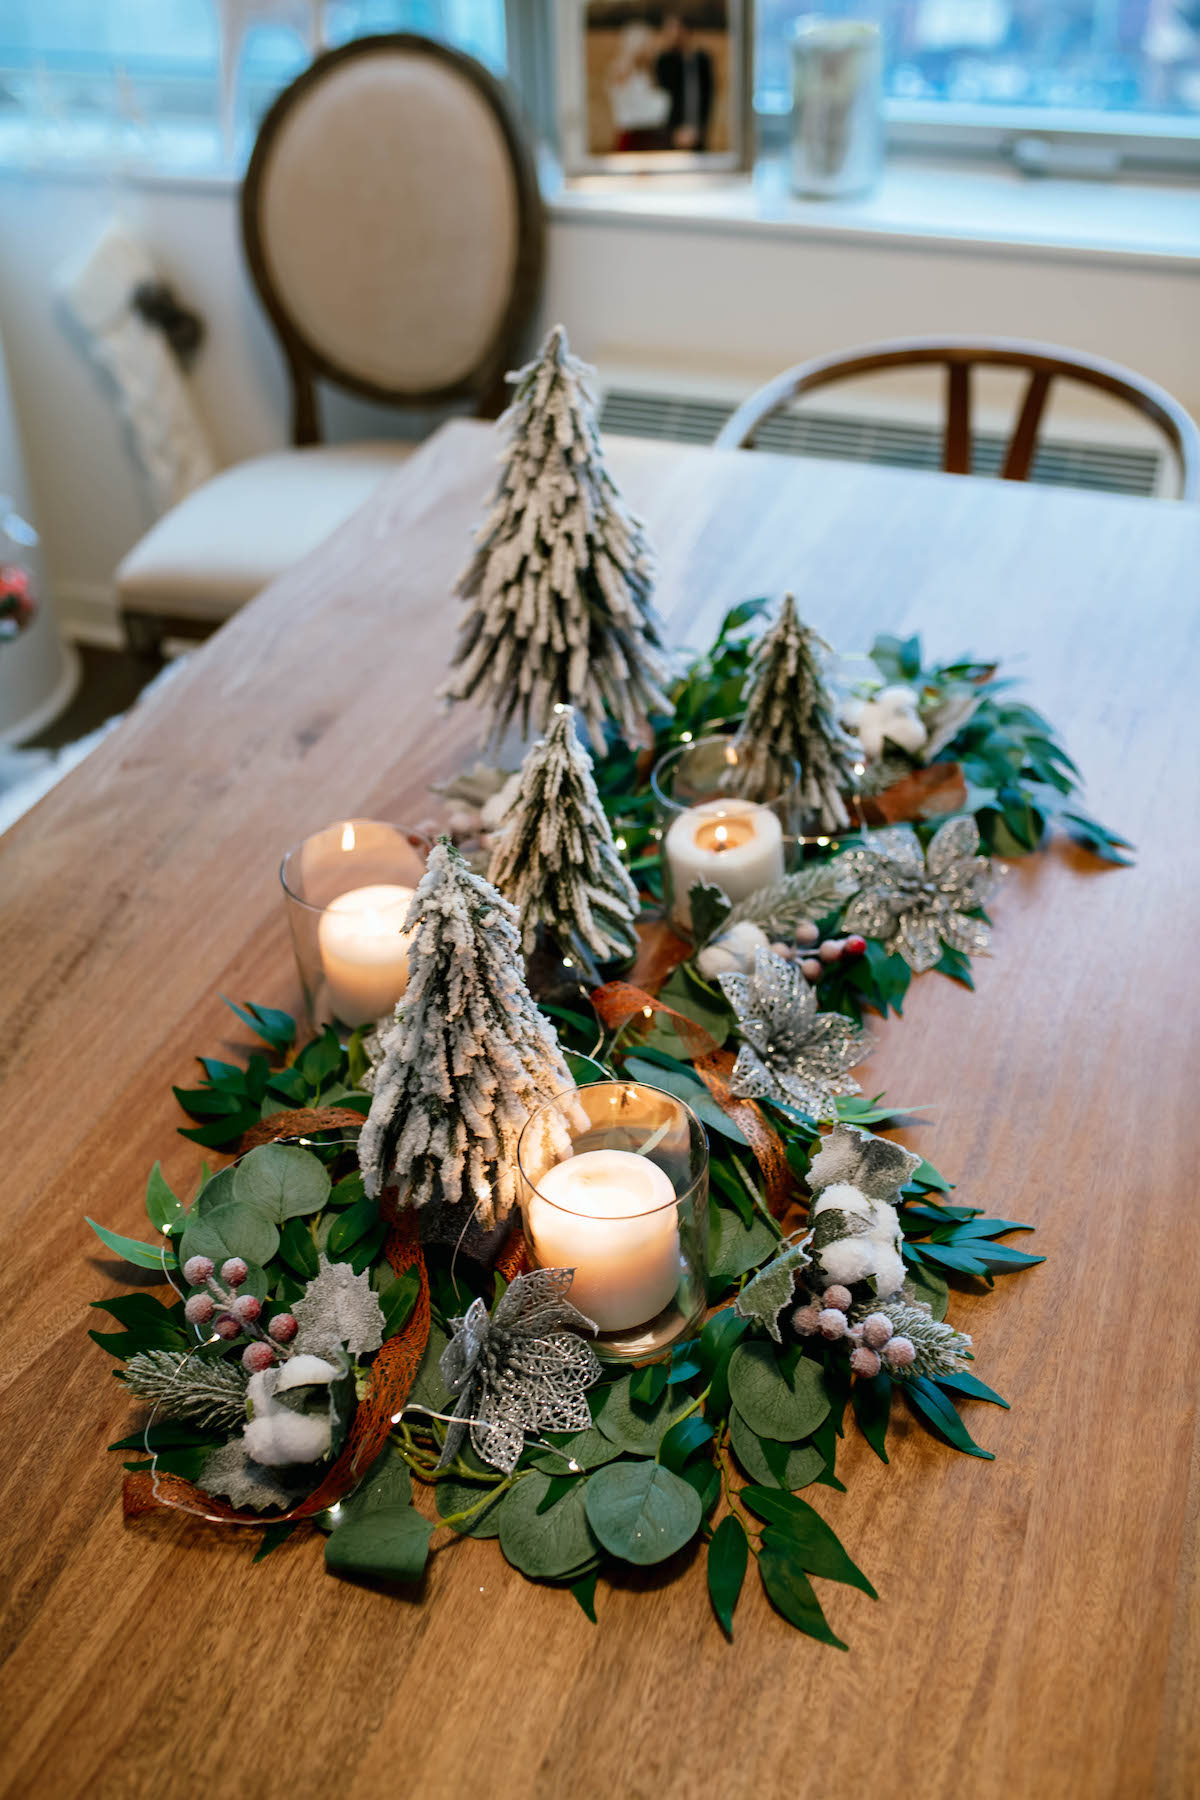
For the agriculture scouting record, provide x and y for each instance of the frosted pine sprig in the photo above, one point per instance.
(561, 579)
(555, 858)
(202, 1391)
(940, 1349)
(808, 894)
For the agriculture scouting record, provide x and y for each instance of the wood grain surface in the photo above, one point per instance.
(1037, 1631)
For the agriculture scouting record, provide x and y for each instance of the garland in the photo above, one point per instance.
(303, 1302)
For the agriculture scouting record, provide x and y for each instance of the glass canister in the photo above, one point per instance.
(837, 106)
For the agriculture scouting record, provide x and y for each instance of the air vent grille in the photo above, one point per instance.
(1060, 462)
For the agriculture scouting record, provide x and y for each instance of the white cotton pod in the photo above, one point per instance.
(888, 1269)
(848, 1260)
(845, 1198)
(733, 952)
(301, 1371)
(279, 1436)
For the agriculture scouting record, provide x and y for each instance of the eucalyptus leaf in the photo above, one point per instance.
(387, 1483)
(590, 1449)
(244, 1230)
(143, 1256)
(735, 1247)
(773, 1405)
(790, 1591)
(683, 1441)
(641, 1512)
(162, 1208)
(284, 1180)
(550, 1544)
(802, 1463)
(636, 1428)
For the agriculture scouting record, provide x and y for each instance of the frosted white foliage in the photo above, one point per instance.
(556, 860)
(337, 1307)
(789, 710)
(560, 582)
(468, 1058)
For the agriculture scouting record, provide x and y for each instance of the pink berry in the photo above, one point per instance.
(227, 1327)
(283, 1328)
(234, 1271)
(839, 1296)
(877, 1329)
(197, 1269)
(856, 946)
(810, 968)
(830, 950)
(257, 1357)
(899, 1352)
(198, 1309)
(831, 1323)
(246, 1309)
(804, 1320)
(806, 932)
(864, 1362)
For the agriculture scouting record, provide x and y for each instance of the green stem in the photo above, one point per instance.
(749, 1525)
(468, 1512)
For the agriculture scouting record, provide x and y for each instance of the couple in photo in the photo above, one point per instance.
(660, 87)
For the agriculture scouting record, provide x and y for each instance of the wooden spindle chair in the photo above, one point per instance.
(1044, 364)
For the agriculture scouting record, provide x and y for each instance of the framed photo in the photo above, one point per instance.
(651, 87)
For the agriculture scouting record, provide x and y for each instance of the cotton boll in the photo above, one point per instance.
(898, 697)
(906, 730)
(844, 1198)
(888, 1270)
(848, 1260)
(304, 1371)
(733, 952)
(278, 1437)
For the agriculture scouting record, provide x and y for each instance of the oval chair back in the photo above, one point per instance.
(1044, 363)
(393, 227)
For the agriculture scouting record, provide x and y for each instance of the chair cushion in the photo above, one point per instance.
(230, 537)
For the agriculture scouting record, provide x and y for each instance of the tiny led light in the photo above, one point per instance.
(559, 707)
(621, 844)
(568, 962)
(685, 737)
(860, 768)
(648, 1011)
(822, 842)
(347, 837)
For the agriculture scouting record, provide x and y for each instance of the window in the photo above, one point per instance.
(1005, 68)
(157, 80)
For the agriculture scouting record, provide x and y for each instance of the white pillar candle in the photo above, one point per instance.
(736, 844)
(610, 1215)
(364, 952)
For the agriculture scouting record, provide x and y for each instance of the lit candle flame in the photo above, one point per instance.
(721, 834)
(347, 837)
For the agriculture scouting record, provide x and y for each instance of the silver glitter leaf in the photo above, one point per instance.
(914, 904)
(790, 1052)
(520, 1370)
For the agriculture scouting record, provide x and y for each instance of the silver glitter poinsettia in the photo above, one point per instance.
(518, 1370)
(915, 902)
(791, 1052)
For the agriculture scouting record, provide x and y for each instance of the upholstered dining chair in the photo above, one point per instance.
(393, 229)
(1044, 364)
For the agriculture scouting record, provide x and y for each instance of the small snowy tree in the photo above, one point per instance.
(790, 711)
(468, 1059)
(561, 578)
(555, 859)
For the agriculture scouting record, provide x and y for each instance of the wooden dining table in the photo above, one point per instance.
(1037, 1630)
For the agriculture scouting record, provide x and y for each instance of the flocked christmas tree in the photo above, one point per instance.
(561, 579)
(789, 710)
(556, 860)
(468, 1059)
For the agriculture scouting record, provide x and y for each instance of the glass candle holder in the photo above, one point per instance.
(627, 1209)
(727, 816)
(347, 890)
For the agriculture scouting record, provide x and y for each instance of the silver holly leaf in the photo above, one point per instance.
(790, 1052)
(766, 1294)
(518, 1370)
(913, 902)
(874, 1165)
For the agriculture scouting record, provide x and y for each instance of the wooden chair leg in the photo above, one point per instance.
(144, 634)
(1023, 442)
(956, 447)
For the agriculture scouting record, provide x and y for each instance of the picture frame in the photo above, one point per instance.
(655, 86)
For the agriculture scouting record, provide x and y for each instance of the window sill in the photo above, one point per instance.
(918, 204)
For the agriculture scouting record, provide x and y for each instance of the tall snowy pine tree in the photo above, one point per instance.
(555, 859)
(468, 1059)
(790, 710)
(560, 582)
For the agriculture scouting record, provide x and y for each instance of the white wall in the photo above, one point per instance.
(735, 303)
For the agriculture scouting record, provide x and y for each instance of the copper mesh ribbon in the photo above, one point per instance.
(392, 1373)
(617, 1003)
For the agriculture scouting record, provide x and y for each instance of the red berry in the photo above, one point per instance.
(257, 1357)
(855, 946)
(283, 1328)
